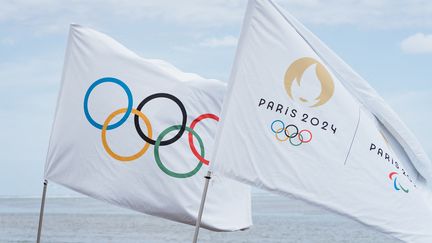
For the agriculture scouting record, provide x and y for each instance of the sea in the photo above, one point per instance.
(276, 219)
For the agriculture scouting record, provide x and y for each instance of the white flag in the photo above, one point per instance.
(137, 133)
(298, 121)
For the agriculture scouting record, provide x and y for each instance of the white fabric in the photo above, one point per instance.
(78, 160)
(369, 98)
(349, 161)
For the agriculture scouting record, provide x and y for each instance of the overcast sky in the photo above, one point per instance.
(389, 42)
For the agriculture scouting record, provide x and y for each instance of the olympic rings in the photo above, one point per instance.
(129, 107)
(105, 143)
(149, 137)
(162, 166)
(290, 136)
(183, 125)
(190, 138)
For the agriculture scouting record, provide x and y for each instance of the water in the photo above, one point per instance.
(276, 219)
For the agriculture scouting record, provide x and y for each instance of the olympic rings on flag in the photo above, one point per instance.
(162, 166)
(148, 139)
(288, 135)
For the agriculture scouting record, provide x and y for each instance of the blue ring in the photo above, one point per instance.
(129, 107)
(283, 126)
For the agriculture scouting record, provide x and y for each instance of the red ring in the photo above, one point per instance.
(301, 139)
(190, 137)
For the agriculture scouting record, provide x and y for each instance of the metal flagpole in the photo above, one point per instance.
(42, 211)
(201, 209)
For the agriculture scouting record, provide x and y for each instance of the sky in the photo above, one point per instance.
(389, 42)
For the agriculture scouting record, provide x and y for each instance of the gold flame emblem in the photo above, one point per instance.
(295, 72)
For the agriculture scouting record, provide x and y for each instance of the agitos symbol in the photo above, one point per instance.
(396, 184)
(148, 139)
(295, 73)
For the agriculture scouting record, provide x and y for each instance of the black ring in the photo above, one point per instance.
(286, 128)
(183, 125)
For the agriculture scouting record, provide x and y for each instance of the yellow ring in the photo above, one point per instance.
(276, 134)
(104, 140)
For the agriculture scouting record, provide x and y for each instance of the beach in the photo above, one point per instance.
(276, 219)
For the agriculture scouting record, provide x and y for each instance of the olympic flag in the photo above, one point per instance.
(137, 133)
(315, 130)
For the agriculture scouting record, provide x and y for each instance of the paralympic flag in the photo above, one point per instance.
(315, 130)
(137, 133)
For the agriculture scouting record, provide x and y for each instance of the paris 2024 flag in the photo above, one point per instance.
(137, 133)
(298, 121)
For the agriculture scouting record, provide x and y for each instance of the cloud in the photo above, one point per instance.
(417, 44)
(50, 16)
(226, 41)
(370, 14)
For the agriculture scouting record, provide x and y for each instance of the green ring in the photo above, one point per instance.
(162, 166)
(299, 139)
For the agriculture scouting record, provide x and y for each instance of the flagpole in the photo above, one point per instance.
(201, 209)
(42, 211)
